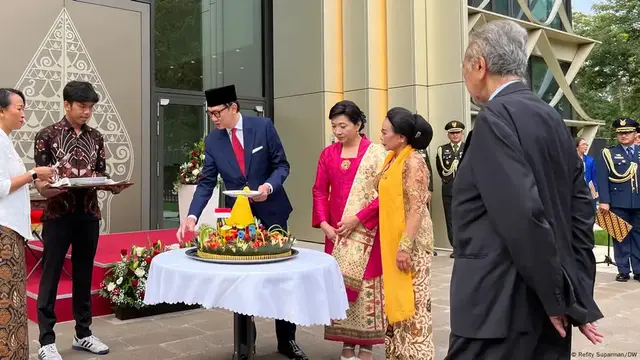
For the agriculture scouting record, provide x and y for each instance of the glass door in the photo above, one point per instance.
(182, 121)
(252, 107)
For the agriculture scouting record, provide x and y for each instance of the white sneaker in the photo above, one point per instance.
(49, 352)
(91, 344)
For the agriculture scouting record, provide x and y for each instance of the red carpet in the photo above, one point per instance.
(108, 252)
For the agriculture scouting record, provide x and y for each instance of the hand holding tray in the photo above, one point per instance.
(98, 183)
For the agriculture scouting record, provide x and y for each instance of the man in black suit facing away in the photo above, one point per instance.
(523, 219)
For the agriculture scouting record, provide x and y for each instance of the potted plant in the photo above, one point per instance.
(189, 175)
(125, 283)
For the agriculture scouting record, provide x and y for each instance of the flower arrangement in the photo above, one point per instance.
(191, 170)
(250, 240)
(125, 282)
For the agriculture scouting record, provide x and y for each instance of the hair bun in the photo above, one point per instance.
(413, 127)
(423, 133)
(363, 118)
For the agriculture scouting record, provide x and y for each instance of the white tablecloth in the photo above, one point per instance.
(307, 290)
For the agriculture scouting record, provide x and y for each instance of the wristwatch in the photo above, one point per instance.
(33, 173)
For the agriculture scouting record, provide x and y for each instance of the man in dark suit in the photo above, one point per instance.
(616, 174)
(524, 268)
(245, 151)
(447, 159)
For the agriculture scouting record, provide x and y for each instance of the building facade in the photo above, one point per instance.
(290, 60)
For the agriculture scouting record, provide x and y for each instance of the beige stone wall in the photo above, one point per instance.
(381, 54)
(67, 40)
(378, 53)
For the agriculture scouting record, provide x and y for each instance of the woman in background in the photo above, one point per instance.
(15, 227)
(589, 168)
(406, 237)
(345, 207)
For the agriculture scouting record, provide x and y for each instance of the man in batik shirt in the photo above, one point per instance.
(70, 217)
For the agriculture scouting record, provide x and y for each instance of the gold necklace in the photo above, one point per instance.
(346, 164)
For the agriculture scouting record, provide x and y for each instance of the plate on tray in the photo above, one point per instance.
(193, 253)
(105, 184)
(88, 181)
(236, 193)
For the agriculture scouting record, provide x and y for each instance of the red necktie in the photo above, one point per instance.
(238, 150)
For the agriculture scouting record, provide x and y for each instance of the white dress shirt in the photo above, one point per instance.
(501, 88)
(238, 132)
(15, 207)
(240, 135)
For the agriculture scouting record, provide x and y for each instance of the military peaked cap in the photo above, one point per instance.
(622, 125)
(454, 126)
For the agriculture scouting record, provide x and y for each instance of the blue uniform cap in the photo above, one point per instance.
(623, 125)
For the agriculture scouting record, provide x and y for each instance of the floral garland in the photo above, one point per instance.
(125, 282)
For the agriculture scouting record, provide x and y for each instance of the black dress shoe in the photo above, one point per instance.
(623, 277)
(292, 351)
(242, 356)
(636, 277)
(451, 256)
(435, 253)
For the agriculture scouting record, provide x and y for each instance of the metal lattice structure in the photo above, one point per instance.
(553, 46)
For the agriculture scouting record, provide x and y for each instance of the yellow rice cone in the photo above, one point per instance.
(241, 214)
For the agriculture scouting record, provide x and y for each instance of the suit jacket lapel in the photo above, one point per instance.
(465, 146)
(249, 137)
(227, 150)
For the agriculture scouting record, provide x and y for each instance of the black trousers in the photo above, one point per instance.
(447, 197)
(541, 344)
(81, 233)
(285, 331)
(629, 249)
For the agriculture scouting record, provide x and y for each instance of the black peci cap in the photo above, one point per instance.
(221, 95)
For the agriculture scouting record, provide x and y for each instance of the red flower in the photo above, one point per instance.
(134, 283)
(255, 245)
(194, 154)
(148, 259)
(142, 294)
(123, 252)
(116, 291)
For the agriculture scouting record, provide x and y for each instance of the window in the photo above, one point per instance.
(545, 86)
(233, 46)
(539, 8)
(178, 44)
(201, 44)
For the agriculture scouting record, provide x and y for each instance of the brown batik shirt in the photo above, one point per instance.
(87, 160)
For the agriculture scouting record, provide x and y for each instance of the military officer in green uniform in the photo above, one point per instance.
(447, 160)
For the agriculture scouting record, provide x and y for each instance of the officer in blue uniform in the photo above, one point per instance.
(617, 177)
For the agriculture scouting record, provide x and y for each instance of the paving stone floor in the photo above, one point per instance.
(207, 334)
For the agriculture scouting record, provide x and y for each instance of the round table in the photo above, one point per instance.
(306, 290)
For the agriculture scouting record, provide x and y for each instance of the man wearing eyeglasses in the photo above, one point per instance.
(245, 151)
